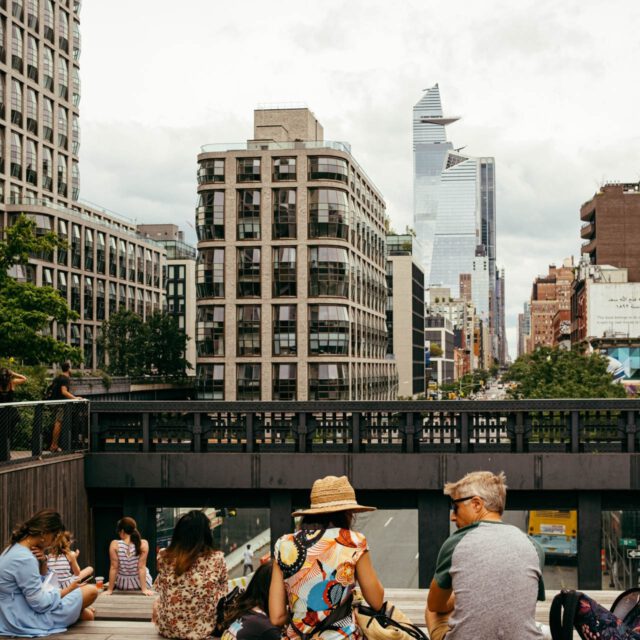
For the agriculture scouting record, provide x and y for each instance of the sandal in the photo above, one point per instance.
(55, 450)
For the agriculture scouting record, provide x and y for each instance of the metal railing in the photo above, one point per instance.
(33, 429)
(564, 426)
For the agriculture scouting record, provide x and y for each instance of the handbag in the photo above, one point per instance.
(389, 623)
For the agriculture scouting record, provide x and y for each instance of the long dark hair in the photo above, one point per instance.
(5, 379)
(314, 521)
(256, 595)
(191, 538)
(45, 521)
(129, 526)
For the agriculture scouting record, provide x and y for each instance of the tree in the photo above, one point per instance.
(167, 345)
(561, 373)
(25, 310)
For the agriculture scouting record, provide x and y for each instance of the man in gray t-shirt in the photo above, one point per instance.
(488, 574)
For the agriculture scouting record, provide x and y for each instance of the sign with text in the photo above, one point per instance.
(613, 308)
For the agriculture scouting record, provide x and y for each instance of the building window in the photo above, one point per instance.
(284, 330)
(31, 159)
(284, 213)
(328, 168)
(16, 102)
(211, 171)
(328, 329)
(75, 292)
(210, 331)
(248, 170)
(62, 284)
(210, 216)
(140, 265)
(284, 271)
(62, 175)
(248, 382)
(249, 214)
(63, 30)
(33, 13)
(47, 120)
(63, 124)
(16, 156)
(100, 253)
(76, 246)
(88, 298)
(113, 299)
(32, 58)
(88, 347)
(18, 10)
(328, 214)
(63, 79)
(248, 272)
(284, 169)
(47, 68)
(47, 278)
(76, 86)
(248, 324)
(328, 381)
(131, 262)
(284, 381)
(328, 272)
(49, 12)
(88, 249)
(210, 273)
(122, 260)
(63, 234)
(210, 381)
(16, 48)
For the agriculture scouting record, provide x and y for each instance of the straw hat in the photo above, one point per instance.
(331, 494)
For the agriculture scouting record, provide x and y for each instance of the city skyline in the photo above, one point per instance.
(177, 80)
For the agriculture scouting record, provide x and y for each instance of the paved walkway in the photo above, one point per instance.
(129, 616)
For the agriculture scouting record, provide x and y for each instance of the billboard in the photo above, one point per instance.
(613, 308)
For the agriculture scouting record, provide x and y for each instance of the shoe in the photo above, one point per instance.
(55, 450)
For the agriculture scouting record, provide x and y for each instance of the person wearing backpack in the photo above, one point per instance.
(488, 573)
(60, 390)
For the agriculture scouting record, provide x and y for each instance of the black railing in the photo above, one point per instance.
(525, 426)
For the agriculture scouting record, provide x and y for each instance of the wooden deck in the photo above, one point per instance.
(120, 616)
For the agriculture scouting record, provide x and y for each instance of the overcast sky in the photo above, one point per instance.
(550, 89)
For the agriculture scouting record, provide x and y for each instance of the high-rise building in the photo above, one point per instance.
(108, 264)
(291, 267)
(405, 322)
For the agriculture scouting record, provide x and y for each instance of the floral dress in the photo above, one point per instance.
(319, 569)
(186, 606)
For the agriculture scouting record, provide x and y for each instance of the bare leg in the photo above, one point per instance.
(55, 435)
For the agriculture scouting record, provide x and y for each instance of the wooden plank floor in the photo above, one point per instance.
(121, 616)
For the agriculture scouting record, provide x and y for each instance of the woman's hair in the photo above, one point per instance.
(45, 521)
(484, 484)
(62, 544)
(5, 378)
(129, 526)
(340, 519)
(255, 595)
(191, 538)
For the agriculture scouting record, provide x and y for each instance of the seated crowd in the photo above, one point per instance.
(487, 579)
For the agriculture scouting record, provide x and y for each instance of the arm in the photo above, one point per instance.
(28, 580)
(17, 378)
(113, 567)
(277, 598)
(67, 394)
(41, 557)
(72, 557)
(439, 600)
(142, 568)
(370, 585)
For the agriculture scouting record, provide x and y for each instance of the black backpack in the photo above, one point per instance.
(574, 610)
(48, 392)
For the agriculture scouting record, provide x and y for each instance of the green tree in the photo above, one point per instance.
(562, 373)
(25, 310)
(167, 345)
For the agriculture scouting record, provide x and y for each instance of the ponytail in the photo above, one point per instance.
(136, 538)
(129, 526)
(45, 521)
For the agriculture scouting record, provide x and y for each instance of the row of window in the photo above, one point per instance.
(250, 169)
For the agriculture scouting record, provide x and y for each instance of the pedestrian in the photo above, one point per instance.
(128, 560)
(192, 577)
(488, 573)
(316, 568)
(247, 563)
(61, 391)
(29, 605)
(9, 380)
(9, 416)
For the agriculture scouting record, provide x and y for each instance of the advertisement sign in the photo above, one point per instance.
(613, 309)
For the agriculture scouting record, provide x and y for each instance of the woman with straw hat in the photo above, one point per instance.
(317, 567)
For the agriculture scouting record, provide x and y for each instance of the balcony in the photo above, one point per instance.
(588, 247)
(588, 230)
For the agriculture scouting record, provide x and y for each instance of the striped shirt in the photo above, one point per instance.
(128, 578)
(62, 569)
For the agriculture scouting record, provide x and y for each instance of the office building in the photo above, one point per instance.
(291, 268)
(439, 349)
(405, 322)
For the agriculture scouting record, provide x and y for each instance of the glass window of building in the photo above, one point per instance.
(211, 171)
(16, 156)
(63, 79)
(63, 234)
(32, 58)
(88, 249)
(62, 175)
(210, 381)
(63, 124)
(210, 216)
(88, 298)
(140, 264)
(122, 259)
(328, 168)
(47, 169)
(131, 261)
(49, 13)
(113, 256)
(76, 41)
(33, 14)
(3, 39)
(284, 214)
(328, 329)
(328, 381)
(210, 331)
(285, 330)
(328, 272)
(328, 213)
(31, 162)
(47, 277)
(248, 278)
(140, 305)
(284, 169)
(62, 332)
(32, 111)
(284, 272)
(16, 48)
(248, 170)
(18, 10)
(74, 335)
(248, 382)
(47, 120)
(62, 284)
(16, 102)
(75, 134)
(75, 246)
(75, 292)
(210, 273)
(249, 214)
(88, 347)
(75, 180)
(47, 68)
(100, 299)
(76, 86)
(63, 30)
(100, 252)
(248, 328)
(3, 98)
(285, 381)
(122, 296)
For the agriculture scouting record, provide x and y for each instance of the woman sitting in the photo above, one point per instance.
(247, 618)
(28, 605)
(317, 567)
(192, 577)
(64, 562)
(128, 557)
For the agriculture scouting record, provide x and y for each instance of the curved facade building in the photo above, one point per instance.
(290, 276)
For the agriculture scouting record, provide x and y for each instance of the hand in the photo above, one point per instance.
(39, 554)
(77, 552)
(148, 592)
(107, 593)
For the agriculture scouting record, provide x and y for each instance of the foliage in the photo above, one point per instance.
(435, 350)
(137, 348)
(562, 373)
(25, 310)
(468, 384)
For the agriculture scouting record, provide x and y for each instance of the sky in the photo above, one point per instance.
(549, 89)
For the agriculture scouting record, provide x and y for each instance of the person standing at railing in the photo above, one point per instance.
(61, 391)
(9, 416)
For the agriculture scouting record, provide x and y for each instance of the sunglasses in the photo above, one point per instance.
(457, 501)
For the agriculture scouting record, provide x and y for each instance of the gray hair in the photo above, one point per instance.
(484, 484)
